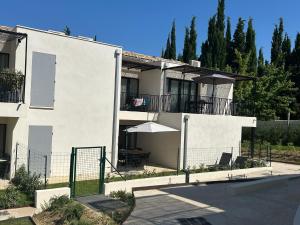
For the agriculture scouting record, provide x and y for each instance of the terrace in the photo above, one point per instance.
(183, 90)
(12, 72)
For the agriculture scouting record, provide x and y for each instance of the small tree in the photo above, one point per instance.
(67, 31)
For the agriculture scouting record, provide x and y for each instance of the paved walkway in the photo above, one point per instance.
(17, 213)
(213, 204)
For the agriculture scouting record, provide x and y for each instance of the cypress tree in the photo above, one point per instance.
(173, 42)
(67, 31)
(239, 36)
(229, 48)
(168, 49)
(221, 16)
(250, 47)
(193, 40)
(286, 51)
(261, 63)
(295, 65)
(239, 47)
(276, 49)
(213, 50)
(186, 47)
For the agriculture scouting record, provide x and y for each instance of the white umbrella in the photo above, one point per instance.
(150, 127)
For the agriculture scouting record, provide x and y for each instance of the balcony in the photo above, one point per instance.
(185, 104)
(11, 86)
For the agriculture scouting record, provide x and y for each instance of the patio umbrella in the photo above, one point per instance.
(150, 127)
(214, 79)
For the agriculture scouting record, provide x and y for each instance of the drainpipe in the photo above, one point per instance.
(185, 120)
(115, 132)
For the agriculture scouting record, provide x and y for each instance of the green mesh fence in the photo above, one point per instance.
(87, 169)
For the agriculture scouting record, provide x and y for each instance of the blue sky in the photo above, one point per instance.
(143, 26)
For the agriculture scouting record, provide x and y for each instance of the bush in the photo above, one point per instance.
(9, 198)
(73, 211)
(27, 183)
(123, 196)
(57, 203)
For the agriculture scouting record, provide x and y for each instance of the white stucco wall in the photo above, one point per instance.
(210, 135)
(84, 92)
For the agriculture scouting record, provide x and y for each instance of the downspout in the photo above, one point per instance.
(185, 120)
(115, 132)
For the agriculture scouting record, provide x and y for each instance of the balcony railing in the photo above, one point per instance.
(184, 104)
(11, 87)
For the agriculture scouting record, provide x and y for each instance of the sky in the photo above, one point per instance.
(143, 26)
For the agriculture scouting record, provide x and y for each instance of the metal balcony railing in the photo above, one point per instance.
(184, 104)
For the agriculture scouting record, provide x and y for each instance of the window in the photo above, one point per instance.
(130, 86)
(182, 93)
(129, 90)
(4, 61)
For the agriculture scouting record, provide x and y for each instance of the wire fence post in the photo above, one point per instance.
(28, 161)
(102, 170)
(178, 161)
(270, 155)
(45, 170)
(71, 178)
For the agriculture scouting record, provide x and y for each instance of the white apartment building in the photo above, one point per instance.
(78, 92)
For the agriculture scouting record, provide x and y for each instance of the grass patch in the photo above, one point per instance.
(19, 221)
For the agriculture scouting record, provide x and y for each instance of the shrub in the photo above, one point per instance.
(73, 211)
(58, 202)
(123, 196)
(25, 182)
(9, 198)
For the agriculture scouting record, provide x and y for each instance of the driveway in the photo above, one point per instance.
(213, 204)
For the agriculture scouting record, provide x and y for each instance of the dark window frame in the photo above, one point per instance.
(8, 59)
(181, 83)
(128, 80)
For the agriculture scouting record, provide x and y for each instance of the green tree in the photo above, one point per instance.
(173, 42)
(250, 47)
(276, 49)
(239, 38)
(220, 25)
(186, 47)
(286, 51)
(67, 31)
(238, 44)
(261, 63)
(229, 45)
(274, 93)
(295, 67)
(193, 40)
(168, 49)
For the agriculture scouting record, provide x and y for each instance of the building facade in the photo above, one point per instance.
(75, 92)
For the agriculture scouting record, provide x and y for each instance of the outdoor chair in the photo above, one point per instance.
(224, 162)
(240, 162)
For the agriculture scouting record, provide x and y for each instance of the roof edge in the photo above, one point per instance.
(72, 37)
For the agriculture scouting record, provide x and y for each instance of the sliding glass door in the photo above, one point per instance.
(183, 93)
